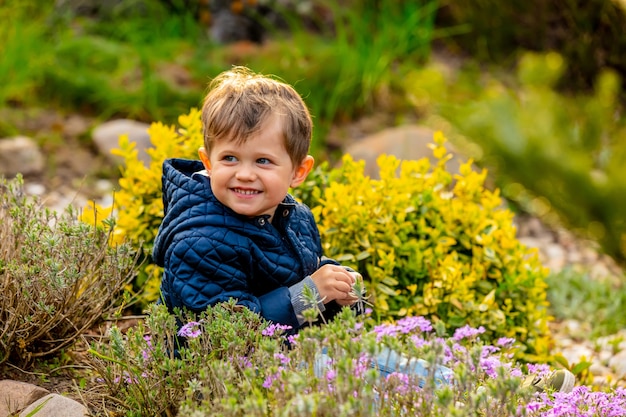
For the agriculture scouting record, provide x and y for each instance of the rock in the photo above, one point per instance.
(75, 125)
(555, 254)
(407, 142)
(20, 154)
(577, 353)
(107, 135)
(618, 364)
(15, 396)
(598, 370)
(54, 405)
(59, 200)
(35, 188)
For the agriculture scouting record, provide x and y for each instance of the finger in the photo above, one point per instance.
(343, 287)
(345, 276)
(347, 301)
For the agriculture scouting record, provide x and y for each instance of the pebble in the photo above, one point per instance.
(20, 154)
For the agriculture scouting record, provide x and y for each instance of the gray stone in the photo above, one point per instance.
(578, 353)
(106, 137)
(20, 154)
(54, 405)
(16, 395)
(407, 142)
(618, 364)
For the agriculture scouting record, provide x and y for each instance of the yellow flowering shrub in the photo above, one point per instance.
(433, 244)
(138, 204)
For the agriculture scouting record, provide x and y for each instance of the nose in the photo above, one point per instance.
(245, 173)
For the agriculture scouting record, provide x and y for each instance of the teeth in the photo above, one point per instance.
(246, 192)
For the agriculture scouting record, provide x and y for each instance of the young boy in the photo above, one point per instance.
(231, 230)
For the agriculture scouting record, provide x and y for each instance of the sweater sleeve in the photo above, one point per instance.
(298, 301)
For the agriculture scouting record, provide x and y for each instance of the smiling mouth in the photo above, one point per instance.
(246, 192)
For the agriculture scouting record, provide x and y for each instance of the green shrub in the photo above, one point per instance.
(58, 276)
(24, 50)
(595, 302)
(560, 157)
(435, 245)
(587, 34)
(235, 363)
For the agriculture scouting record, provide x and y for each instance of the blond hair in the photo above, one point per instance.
(239, 101)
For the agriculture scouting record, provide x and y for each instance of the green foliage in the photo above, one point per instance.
(58, 276)
(433, 245)
(597, 303)
(150, 371)
(370, 45)
(234, 363)
(84, 64)
(587, 34)
(23, 49)
(151, 64)
(553, 154)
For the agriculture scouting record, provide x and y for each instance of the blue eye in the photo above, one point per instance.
(263, 161)
(229, 158)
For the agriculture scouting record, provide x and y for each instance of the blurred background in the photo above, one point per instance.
(531, 90)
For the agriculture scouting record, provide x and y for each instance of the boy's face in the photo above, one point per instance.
(252, 178)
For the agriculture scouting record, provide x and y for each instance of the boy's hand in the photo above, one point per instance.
(334, 282)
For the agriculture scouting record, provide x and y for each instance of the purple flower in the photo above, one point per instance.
(274, 328)
(146, 352)
(408, 324)
(385, 330)
(467, 332)
(269, 380)
(401, 381)
(292, 339)
(282, 358)
(127, 378)
(418, 341)
(490, 365)
(361, 364)
(505, 342)
(580, 402)
(540, 370)
(189, 330)
(331, 374)
(244, 361)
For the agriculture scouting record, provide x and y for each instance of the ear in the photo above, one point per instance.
(302, 170)
(204, 157)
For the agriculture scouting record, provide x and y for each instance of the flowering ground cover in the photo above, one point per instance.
(232, 363)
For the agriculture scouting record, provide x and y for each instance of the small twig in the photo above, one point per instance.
(24, 371)
(139, 316)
